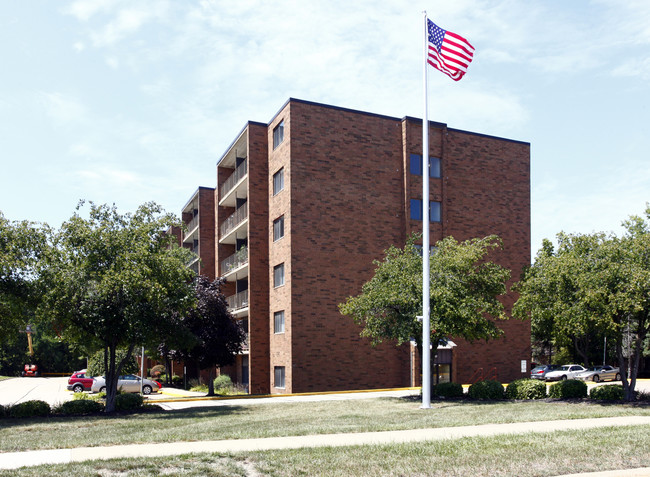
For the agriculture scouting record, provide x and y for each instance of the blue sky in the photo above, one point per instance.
(125, 101)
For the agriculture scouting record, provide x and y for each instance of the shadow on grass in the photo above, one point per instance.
(145, 414)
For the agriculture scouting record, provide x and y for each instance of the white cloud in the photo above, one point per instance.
(636, 67)
(62, 108)
(83, 10)
(113, 62)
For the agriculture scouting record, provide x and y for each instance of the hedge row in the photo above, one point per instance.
(530, 389)
(76, 407)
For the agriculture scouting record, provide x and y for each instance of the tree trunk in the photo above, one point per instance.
(110, 379)
(211, 381)
(112, 375)
(622, 369)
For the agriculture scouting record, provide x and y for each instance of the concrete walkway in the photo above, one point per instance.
(14, 460)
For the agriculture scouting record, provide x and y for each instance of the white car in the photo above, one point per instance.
(568, 371)
(129, 383)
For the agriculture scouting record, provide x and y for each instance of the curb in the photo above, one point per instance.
(185, 398)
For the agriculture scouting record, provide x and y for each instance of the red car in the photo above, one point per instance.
(79, 381)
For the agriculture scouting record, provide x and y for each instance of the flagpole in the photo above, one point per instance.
(426, 326)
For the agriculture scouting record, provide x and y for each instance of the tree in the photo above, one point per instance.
(116, 281)
(21, 246)
(595, 284)
(464, 293)
(96, 363)
(551, 295)
(217, 338)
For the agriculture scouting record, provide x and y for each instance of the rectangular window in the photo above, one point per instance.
(416, 209)
(278, 181)
(416, 165)
(434, 167)
(278, 322)
(278, 275)
(278, 381)
(278, 228)
(435, 212)
(278, 134)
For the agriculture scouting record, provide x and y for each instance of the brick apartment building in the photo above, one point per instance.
(305, 203)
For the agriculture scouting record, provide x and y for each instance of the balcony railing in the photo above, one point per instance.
(191, 225)
(234, 220)
(235, 261)
(234, 178)
(238, 301)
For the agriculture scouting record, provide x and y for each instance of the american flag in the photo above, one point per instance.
(448, 52)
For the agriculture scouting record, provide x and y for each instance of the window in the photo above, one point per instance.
(416, 209)
(278, 322)
(278, 134)
(434, 167)
(278, 228)
(416, 165)
(279, 376)
(278, 181)
(435, 213)
(278, 275)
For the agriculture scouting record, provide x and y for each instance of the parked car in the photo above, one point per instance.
(539, 372)
(129, 383)
(600, 373)
(80, 381)
(568, 371)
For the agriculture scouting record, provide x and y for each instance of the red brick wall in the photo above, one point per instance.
(280, 252)
(206, 232)
(258, 247)
(485, 189)
(346, 182)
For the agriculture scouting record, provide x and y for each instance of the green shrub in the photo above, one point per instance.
(177, 381)
(486, 390)
(30, 409)
(569, 389)
(222, 382)
(80, 407)
(128, 402)
(526, 389)
(610, 392)
(3, 411)
(448, 390)
(199, 388)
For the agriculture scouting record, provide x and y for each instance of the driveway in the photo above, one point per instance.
(50, 390)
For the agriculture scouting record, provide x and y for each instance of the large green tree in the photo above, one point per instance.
(594, 283)
(464, 293)
(21, 246)
(116, 281)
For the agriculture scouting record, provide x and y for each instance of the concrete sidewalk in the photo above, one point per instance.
(15, 460)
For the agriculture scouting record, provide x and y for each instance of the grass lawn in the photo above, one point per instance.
(572, 451)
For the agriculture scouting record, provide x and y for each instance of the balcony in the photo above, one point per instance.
(191, 226)
(238, 304)
(235, 186)
(235, 267)
(236, 224)
(245, 346)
